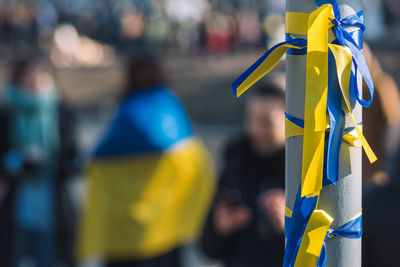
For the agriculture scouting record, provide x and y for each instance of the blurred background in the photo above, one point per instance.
(204, 45)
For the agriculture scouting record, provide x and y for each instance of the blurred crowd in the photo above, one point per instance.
(213, 26)
(217, 27)
(151, 182)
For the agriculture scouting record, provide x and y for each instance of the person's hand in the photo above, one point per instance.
(272, 202)
(229, 219)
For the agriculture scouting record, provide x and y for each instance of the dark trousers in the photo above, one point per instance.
(169, 259)
(7, 229)
(40, 247)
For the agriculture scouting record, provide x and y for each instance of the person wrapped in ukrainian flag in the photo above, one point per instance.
(150, 182)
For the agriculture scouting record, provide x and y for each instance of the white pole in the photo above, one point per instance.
(341, 201)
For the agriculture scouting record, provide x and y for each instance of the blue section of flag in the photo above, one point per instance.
(150, 120)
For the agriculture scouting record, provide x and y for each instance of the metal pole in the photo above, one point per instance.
(341, 201)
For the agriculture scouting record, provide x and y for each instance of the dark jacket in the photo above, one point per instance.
(381, 220)
(245, 175)
(66, 166)
(169, 259)
(6, 206)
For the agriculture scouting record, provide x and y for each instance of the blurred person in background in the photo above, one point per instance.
(221, 32)
(150, 182)
(246, 225)
(37, 156)
(19, 24)
(381, 220)
(249, 26)
(381, 198)
(132, 27)
(383, 114)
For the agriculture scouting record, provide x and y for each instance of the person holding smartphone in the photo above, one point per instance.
(246, 224)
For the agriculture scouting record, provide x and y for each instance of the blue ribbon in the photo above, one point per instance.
(294, 230)
(336, 115)
(297, 121)
(354, 42)
(352, 229)
(337, 122)
(296, 52)
(335, 135)
(360, 64)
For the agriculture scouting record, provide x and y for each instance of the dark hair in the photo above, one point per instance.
(22, 64)
(269, 90)
(142, 70)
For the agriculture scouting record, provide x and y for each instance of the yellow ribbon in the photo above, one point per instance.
(313, 239)
(343, 58)
(291, 129)
(316, 100)
(288, 212)
(316, 97)
(314, 236)
(265, 67)
(352, 137)
(296, 23)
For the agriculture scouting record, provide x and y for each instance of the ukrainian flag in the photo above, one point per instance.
(150, 183)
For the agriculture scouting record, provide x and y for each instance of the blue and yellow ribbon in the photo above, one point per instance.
(330, 95)
(317, 102)
(317, 231)
(264, 65)
(295, 127)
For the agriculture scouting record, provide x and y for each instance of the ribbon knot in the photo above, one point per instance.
(331, 234)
